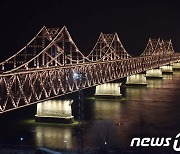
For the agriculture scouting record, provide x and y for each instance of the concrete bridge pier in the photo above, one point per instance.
(136, 80)
(167, 69)
(176, 65)
(54, 111)
(108, 90)
(154, 73)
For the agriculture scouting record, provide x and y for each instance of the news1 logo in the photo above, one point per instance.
(156, 142)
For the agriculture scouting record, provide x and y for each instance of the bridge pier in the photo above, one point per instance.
(176, 65)
(137, 79)
(108, 90)
(54, 111)
(167, 69)
(154, 73)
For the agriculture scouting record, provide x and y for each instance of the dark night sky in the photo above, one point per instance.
(134, 21)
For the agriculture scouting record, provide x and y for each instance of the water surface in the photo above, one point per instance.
(143, 111)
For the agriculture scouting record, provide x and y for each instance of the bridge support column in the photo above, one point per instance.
(154, 73)
(136, 80)
(108, 90)
(176, 66)
(54, 111)
(168, 69)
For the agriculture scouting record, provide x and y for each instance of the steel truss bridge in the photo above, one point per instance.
(44, 68)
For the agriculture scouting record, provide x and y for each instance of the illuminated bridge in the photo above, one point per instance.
(48, 65)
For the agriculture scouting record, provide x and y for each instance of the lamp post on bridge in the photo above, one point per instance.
(78, 77)
(21, 143)
(65, 144)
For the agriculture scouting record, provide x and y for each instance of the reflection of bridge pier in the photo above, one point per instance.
(56, 137)
(108, 90)
(137, 79)
(54, 111)
(154, 73)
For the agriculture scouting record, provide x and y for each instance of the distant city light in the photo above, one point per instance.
(77, 75)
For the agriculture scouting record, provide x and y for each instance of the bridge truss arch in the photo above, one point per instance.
(48, 73)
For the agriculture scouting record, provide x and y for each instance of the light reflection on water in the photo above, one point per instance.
(154, 83)
(143, 111)
(53, 136)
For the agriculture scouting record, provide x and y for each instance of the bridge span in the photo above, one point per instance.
(48, 65)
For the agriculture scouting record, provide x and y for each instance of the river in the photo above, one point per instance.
(152, 111)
